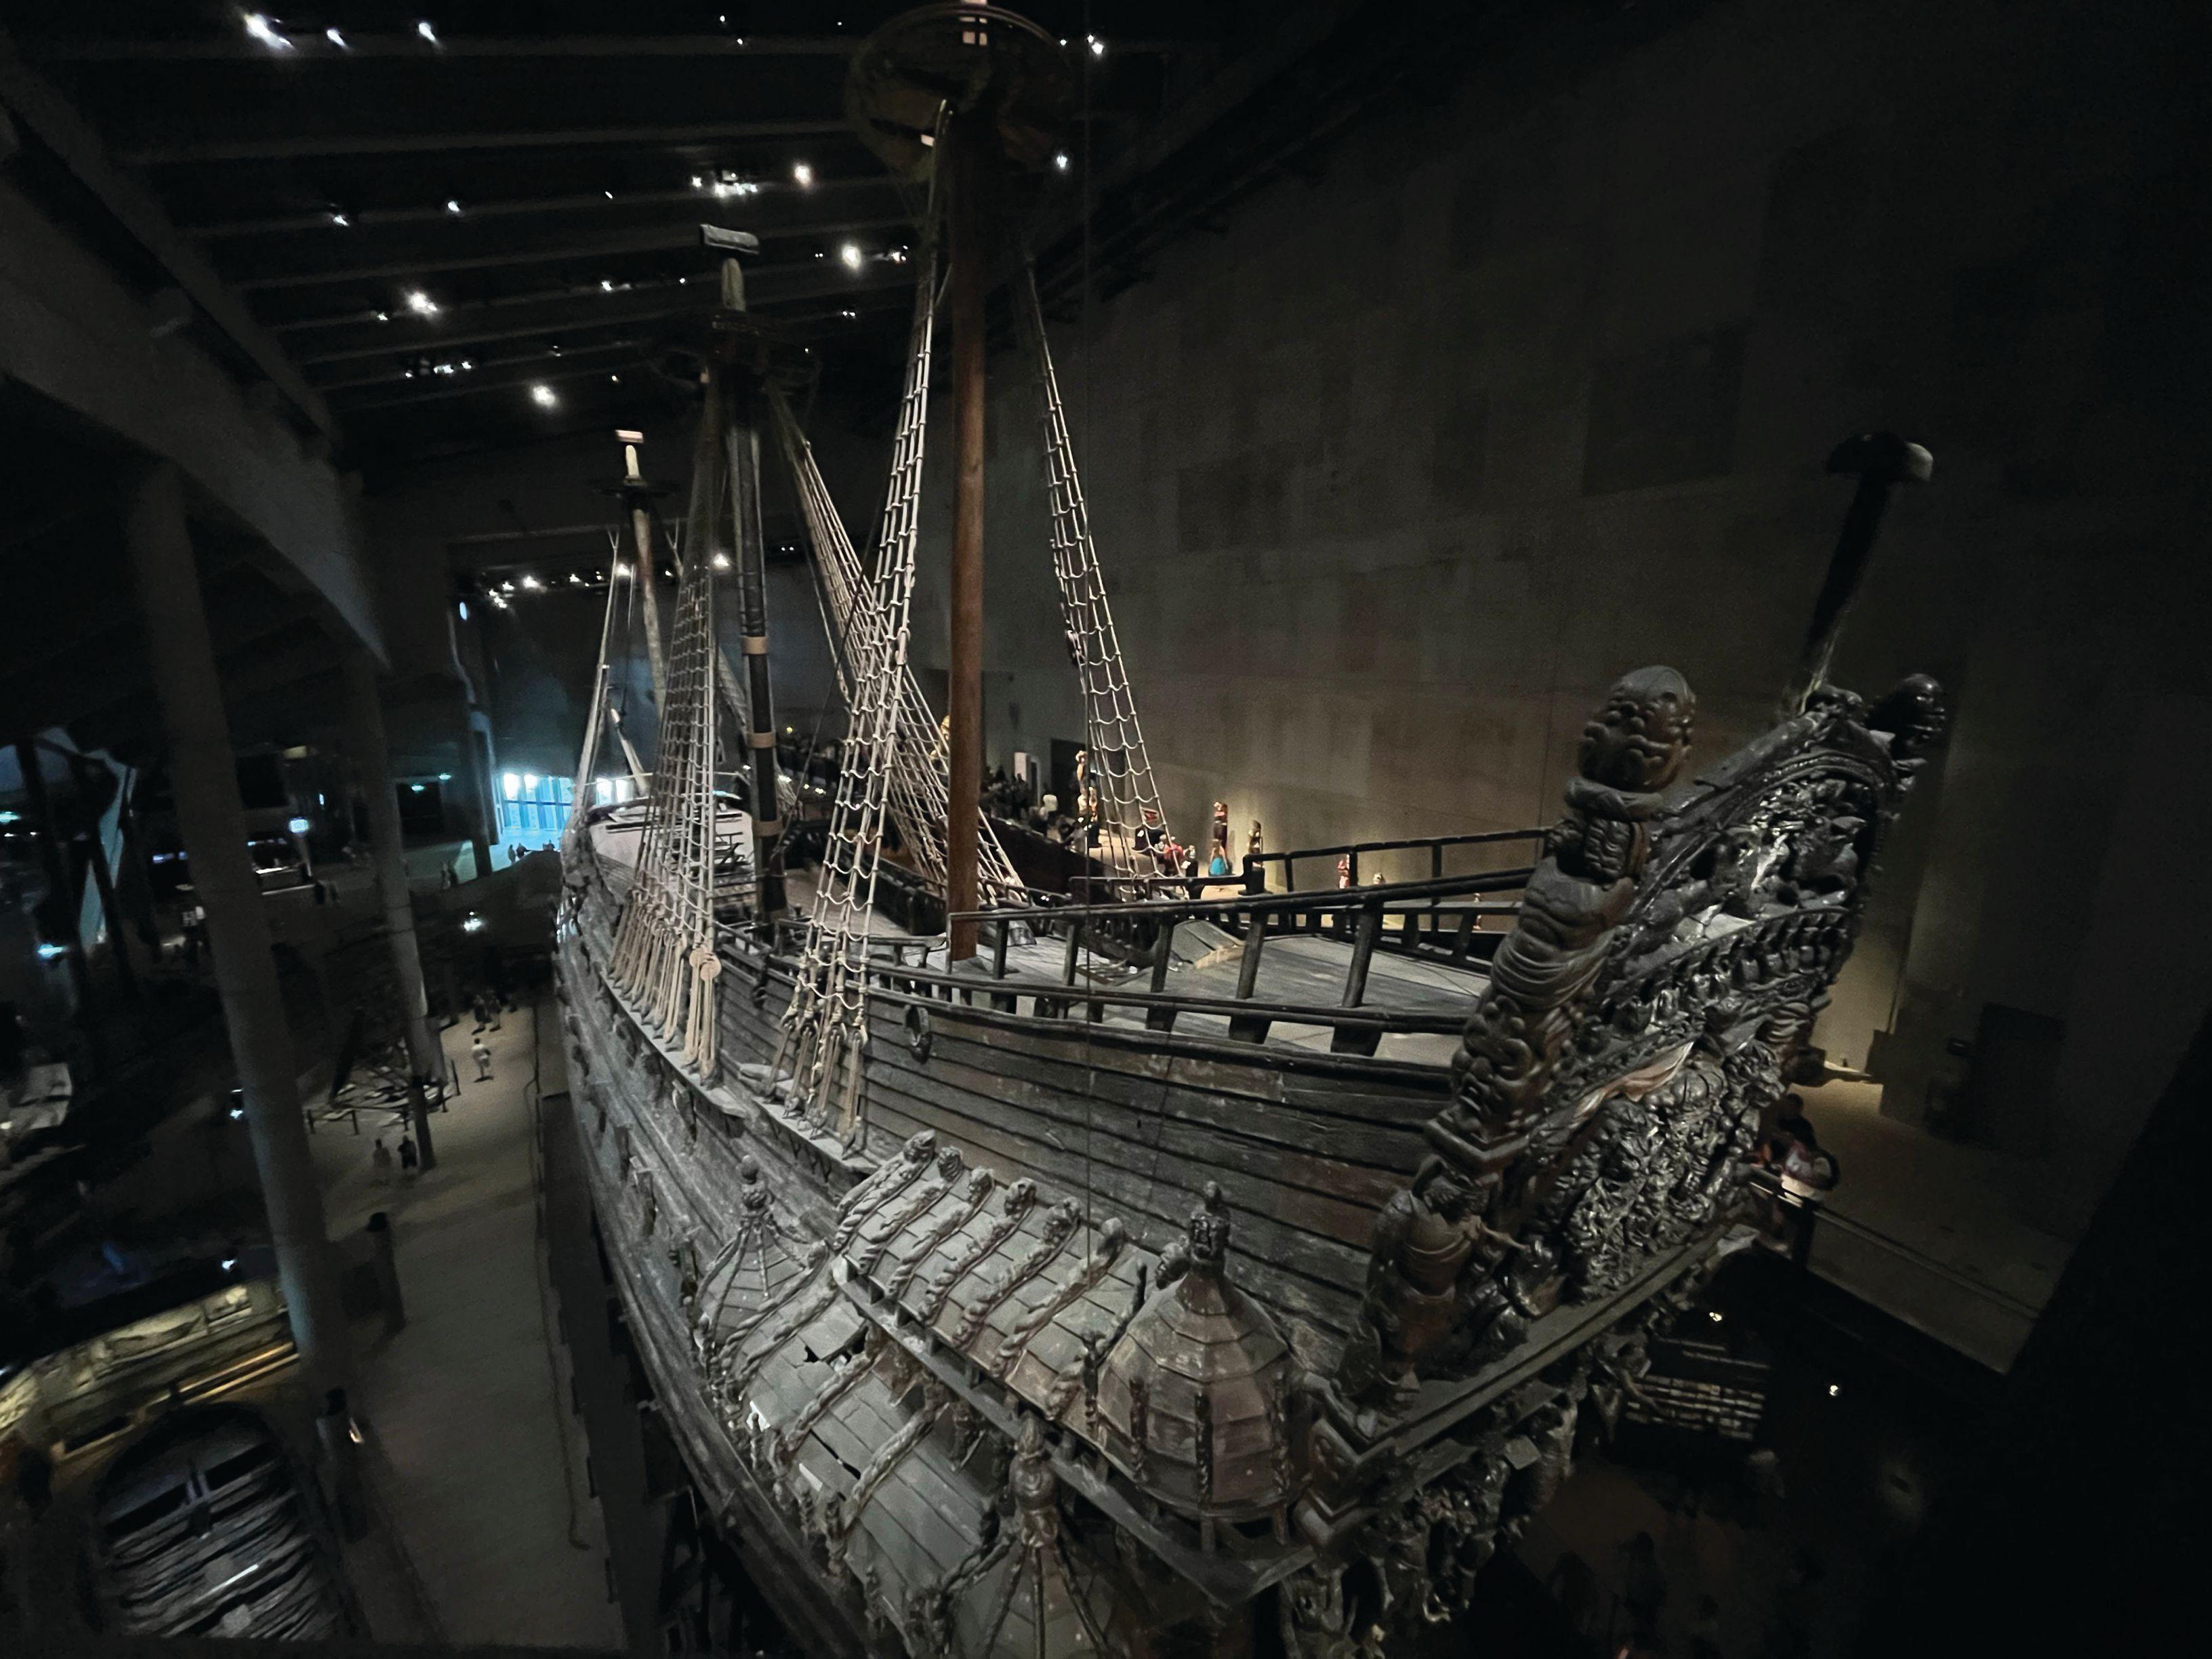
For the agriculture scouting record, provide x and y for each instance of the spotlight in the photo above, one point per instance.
(607, 284)
(802, 175)
(850, 253)
(532, 583)
(263, 30)
(336, 39)
(698, 183)
(383, 316)
(428, 33)
(229, 1263)
(542, 395)
(721, 562)
(1097, 46)
(608, 194)
(421, 303)
(340, 220)
(453, 204)
(1061, 160)
(1835, 1389)
(47, 952)
(238, 1114)
(472, 924)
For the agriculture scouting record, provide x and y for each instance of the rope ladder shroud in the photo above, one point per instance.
(1120, 764)
(825, 1024)
(663, 957)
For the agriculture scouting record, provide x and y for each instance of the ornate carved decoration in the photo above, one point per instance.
(1059, 1226)
(975, 1194)
(870, 1241)
(1641, 1021)
(889, 1181)
(1105, 1247)
(1011, 1208)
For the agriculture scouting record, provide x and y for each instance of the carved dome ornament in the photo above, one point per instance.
(1191, 1399)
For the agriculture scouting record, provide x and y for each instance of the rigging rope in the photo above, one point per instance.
(1132, 827)
(825, 1029)
(664, 955)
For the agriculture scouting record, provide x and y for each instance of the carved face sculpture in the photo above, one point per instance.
(1638, 740)
(1914, 714)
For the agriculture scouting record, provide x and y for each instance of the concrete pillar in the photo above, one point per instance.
(211, 821)
(373, 765)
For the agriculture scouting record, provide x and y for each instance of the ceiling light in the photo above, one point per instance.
(383, 316)
(263, 30)
(802, 175)
(608, 194)
(607, 284)
(532, 583)
(697, 182)
(848, 313)
(542, 395)
(721, 562)
(421, 303)
(340, 220)
(576, 580)
(617, 379)
(1061, 160)
(850, 253)
(453, 204)
(1098, 47)
(335, 40)
(468, 362)
(428, 33)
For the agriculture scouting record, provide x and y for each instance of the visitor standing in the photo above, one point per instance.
(481, 1053)
(410, 1161)
(380, 1159)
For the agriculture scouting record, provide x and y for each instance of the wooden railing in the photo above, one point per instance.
(1448, 920)
(1433, 848)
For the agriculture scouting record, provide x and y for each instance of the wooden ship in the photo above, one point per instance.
(1167, 1266)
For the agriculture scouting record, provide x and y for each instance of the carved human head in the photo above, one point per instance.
(1914, 714)
(1638, 740)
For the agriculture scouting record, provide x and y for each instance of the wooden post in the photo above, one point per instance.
(969, 172)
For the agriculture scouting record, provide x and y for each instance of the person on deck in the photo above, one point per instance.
(380, 1162)
(481, 1053)
(411, 1160)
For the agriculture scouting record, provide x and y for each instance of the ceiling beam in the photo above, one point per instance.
(275, 147)
(644, 242)
(676, 301)
(309, 47)
(597, 201)
(43, 110)
(436, 385)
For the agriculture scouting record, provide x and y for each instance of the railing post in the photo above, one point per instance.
(1352, 866)
(1256, 874)
(1162, 1019)
(1349, 1039)
(1250, 1028)
(1436, 861)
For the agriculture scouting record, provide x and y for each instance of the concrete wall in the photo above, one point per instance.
(1393, 475)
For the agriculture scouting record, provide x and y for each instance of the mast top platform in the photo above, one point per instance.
(980, 60)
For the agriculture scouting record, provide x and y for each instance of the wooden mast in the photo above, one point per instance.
(968, 160)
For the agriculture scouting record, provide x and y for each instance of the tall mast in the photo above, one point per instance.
(741, 410)
(969, 168)
(963, 95)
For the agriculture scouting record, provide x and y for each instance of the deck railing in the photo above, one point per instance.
(1458, 920)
